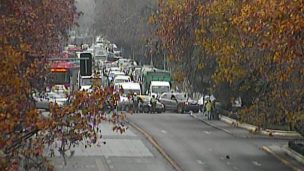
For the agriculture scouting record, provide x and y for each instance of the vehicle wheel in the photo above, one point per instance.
(146, 110)
(180, 109)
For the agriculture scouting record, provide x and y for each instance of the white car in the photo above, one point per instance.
(114, 69)
(122, 79)
(59, 98)
(43, 101)
(113, 74)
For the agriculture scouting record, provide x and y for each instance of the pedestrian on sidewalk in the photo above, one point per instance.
(209, 109)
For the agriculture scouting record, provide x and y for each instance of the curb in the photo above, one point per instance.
(269, 151)
(157, 146)
(294, 154)
(216, 127)
(252, 128)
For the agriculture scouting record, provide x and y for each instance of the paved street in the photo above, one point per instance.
(195, 145)
(126, 152)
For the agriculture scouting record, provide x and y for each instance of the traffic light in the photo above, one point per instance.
(86, 64)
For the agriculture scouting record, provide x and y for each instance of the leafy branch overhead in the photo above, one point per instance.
(32, 32)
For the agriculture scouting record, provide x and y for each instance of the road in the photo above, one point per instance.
(198, 146)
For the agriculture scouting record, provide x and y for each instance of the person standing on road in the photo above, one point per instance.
(135, 100)
(209, 109)
(153, 103)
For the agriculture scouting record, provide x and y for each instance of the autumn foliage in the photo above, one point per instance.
(254, 49)
(31, 32)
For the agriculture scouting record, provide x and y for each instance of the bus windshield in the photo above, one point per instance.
(59, 77)
(87, 81)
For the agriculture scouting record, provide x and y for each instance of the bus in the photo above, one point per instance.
(63, 73)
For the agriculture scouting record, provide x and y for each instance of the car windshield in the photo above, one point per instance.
(131, 91)
(160, 89)
(87, 81)
(121, 80)
(181, 96)
(52, 95)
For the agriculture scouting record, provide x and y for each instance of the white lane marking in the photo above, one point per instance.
(100, 164)
(163, 131)
(90, 166)
(207, 132)
(200, 162)
(228, 163)
(257, 163)
(227, 131)
(109, 161)
(235, 168)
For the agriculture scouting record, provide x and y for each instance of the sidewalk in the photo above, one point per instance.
(220, 125)
(283, 153)
(232, 127)
(122, 152)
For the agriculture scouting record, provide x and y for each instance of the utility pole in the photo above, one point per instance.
(164, 61)
(151, 61)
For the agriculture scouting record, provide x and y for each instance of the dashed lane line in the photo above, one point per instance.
(163, 131)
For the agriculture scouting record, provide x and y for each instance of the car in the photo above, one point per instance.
(114, 69)
(179, 102)
(122, 79)
(113, 74)
(145, 106)
(43, 101)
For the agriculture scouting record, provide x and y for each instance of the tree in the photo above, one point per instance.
(276, 28)
(254, 47)
(31, 33)
(126, 25)
(176, 23)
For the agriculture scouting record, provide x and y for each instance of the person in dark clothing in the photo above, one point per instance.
(153, 104)
(135, 100)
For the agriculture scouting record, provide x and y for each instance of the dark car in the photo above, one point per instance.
(145, 107)
(179, 102)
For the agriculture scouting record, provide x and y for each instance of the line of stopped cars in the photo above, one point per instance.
(166, 102)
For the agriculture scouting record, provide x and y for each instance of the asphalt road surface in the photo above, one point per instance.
(196, 146)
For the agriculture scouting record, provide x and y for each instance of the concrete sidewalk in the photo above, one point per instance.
(236, 128)
(220, 125)
(122, 152)
(282, 153)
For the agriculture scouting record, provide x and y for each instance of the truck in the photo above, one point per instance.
(129, 88)
(154, 81)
